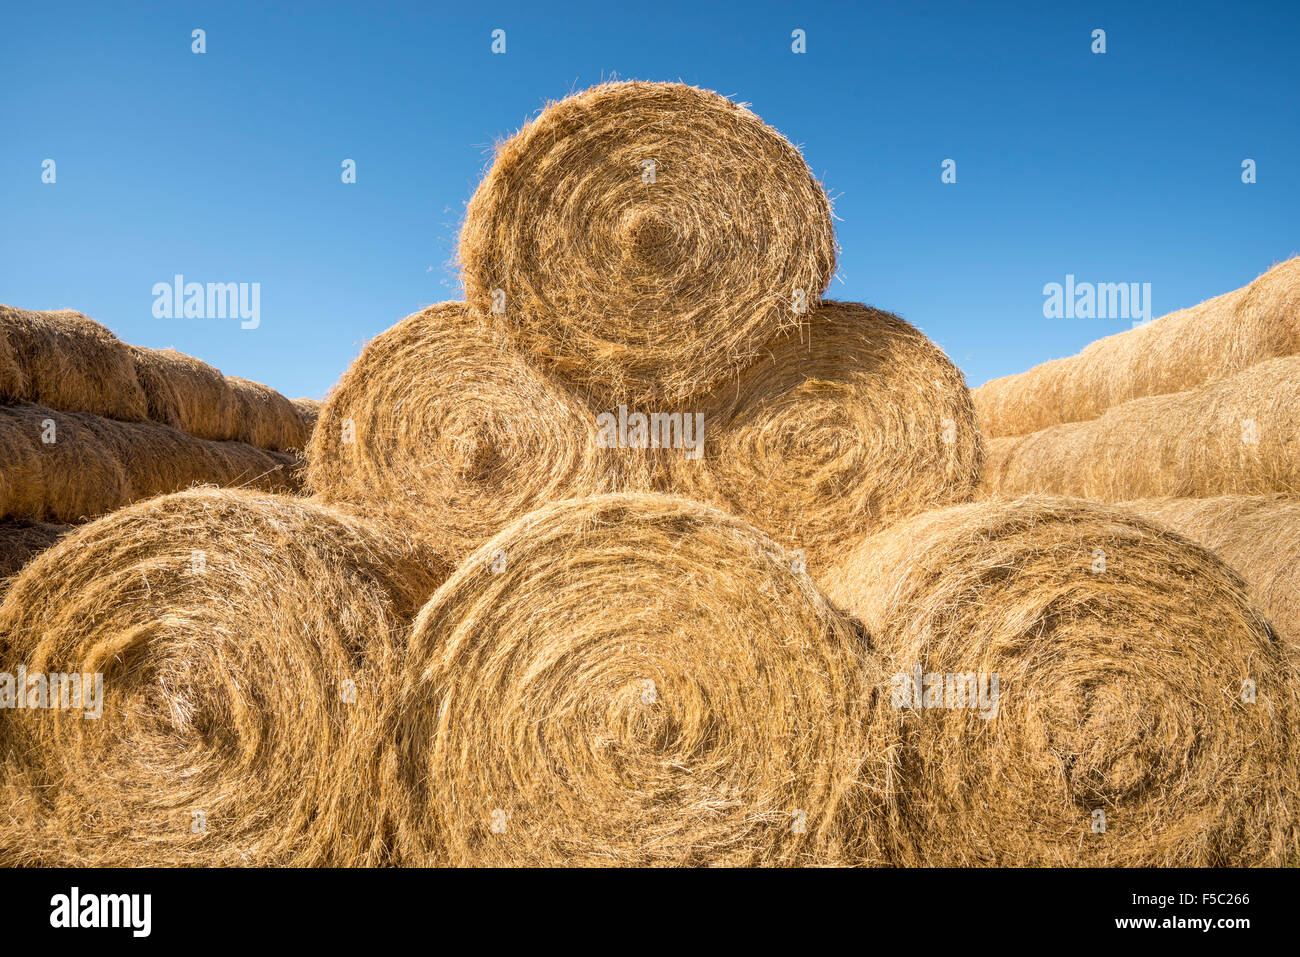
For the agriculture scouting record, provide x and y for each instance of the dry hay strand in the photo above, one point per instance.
(248, 686)
(1259, 536)
(309, 412)
(634, 679)
(856, 422)
(21, 541)
(1206, 343)
(1238, 436)
(642, 289)
(265, 418)
(68, 361)
(186, 393)
(443, 426)
(95, 465)
(1120, 649)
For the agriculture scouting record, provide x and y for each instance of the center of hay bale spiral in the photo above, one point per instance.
(652, 241)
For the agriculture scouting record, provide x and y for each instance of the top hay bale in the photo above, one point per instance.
(65, 360)
(645, 239)
(1208, 342)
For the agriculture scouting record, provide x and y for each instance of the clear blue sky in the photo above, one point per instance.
(225, 166)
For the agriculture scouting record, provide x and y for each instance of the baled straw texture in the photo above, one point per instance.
(247, 687)
(1205, 343)
(265, 418)
(96, 465)
(1238, 436)
(13, 383)
(855, 422)
(642, 681)
(1120, 650)
(21, 541)
(638, 289)
(1259, 536)
(186, 393)
(69, 361)
(443, 427)
(309, 411)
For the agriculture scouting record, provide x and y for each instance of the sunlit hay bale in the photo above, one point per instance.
(186, 393)
(55, 467)
(13, 384)
(21, 541)
(1259, 536)
(635, 680)
(71, 362)
(265, 418)
(309, 411)
(1237, 436)
(246, 644)
(645, 239)
(835, 432)
(1144, 712)
(1206, 343)
(441, 425)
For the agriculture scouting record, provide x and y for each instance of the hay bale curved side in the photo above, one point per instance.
(648, 238)
(634, 680)
(73, 363)
(21, 541)
(248, 687)
(1238, 436)
(1259, 536)
(1120, 650)
(440, 424)
(857, 422)
(13, 384)
(265, 418)
(309, 411)
(1205, 343)
(186, 393)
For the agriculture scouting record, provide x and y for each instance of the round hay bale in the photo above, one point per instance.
(265, 418)
(1206, 343)
(634, 679)
(186, 393)
(309, 412)
(1259, 536)
(73, 363)
(21, 541)
(441, 425)
(13, 384)
(1237, 436)
(856, 422)
(244, 642)
(639, 281)
(1121, 652)
(72, 477)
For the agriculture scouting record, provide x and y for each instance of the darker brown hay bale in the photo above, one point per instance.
(265, 418)
(1206, 343)
(21, 541)
(1259, 536)
(642, 680)
(647, 290)
(443, 427)
(13, 384)
(71, 362)
(186, 393)
(96, 465)
(1238, 436)
(249, 689)
(858, 421)
(1120, 689)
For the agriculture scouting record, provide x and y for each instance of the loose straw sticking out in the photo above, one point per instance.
(1259, 536)
(441, 425)
(1239, 436)
(68, 361)
(1208, 342)
(858, 421)
(635, 680)
(21, 541)
(245, 642)
(72, 466)
(1122, 653)
(648, 238)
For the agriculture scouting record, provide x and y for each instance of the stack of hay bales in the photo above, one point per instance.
(89, 424)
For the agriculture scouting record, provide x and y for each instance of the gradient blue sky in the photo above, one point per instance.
(225, 166)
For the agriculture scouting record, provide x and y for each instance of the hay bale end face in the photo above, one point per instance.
(645, 239)
(245, 642)
(442, 426)
(1122, 653)
(837, 430)
(634, 680)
